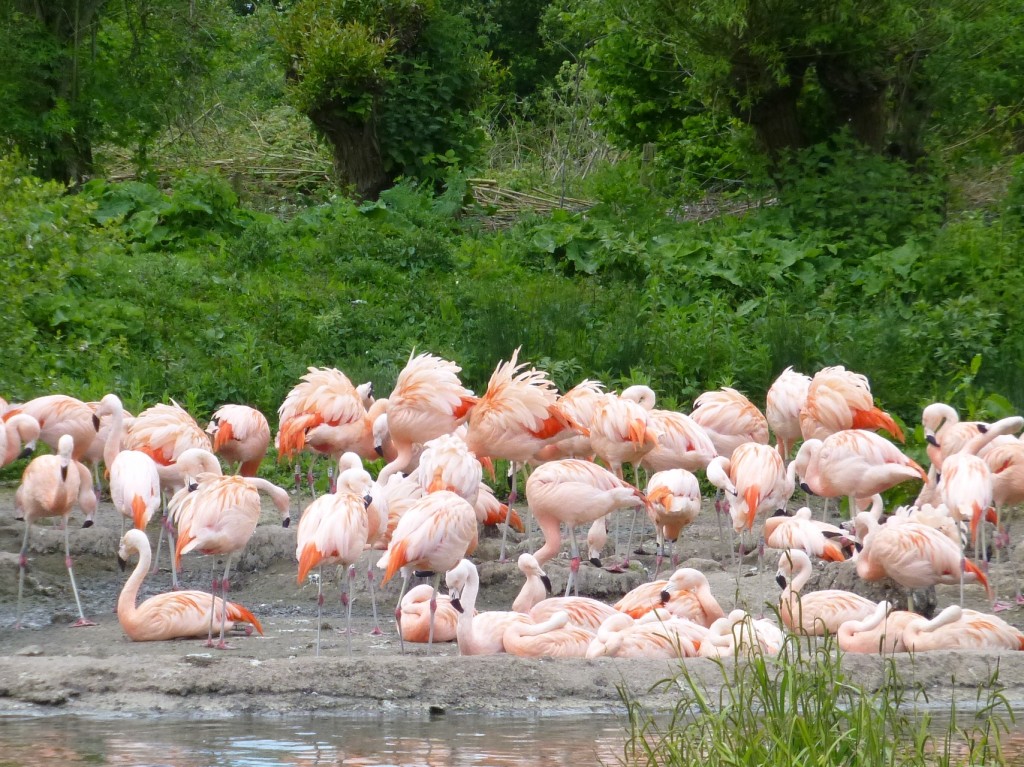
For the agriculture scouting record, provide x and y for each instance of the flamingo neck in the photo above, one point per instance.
(129, 593)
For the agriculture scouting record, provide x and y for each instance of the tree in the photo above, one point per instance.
(77, 72)
(393, 85)
(799, 72)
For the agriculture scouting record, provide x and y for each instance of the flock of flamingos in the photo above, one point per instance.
(425, 508)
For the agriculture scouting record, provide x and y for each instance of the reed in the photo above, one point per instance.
(802, 708)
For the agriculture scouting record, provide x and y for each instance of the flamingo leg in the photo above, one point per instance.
(433, 609)
(512, 496)
(82, 620)
(370, 576)
(574, 562)
(319, 605)
(297, 466)
(346, 600)
(398, 609)
(22, 567)
(225, 586)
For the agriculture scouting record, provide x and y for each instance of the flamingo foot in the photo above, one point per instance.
(376, 632)
(620, 568)
(81, 623)
(222, 645)
(999, 606)
(1020, 599)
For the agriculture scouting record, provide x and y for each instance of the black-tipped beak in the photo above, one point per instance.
(121, 562)
(367, 500)
(87, 523)
(379, 450)
(193, 486)
(286, 521)
(665, 596)
(779, 513)
(806, 488)
(63, 473)
(596, 562)
(983, 428)
(96, 422)
(547, 583)
(457, 605)
(930, 439)
(25, 453)
(781, 580)
(859, 546)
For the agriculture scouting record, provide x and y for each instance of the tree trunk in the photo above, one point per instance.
(356, 153)
(859, 98)
(776, 119)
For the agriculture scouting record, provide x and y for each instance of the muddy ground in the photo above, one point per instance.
(50, 665)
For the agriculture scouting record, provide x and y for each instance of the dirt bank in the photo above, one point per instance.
(97, 670)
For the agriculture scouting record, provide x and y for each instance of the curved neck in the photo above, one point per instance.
(129, 593)
(113, 444)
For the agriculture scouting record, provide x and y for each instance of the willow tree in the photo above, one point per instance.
(393, 85)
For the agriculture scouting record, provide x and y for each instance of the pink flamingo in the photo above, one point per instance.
(57, 415)
(478, 633)
(554, 637)
(416, 616)
(674, 503)
(16, 431)
(817, 612)
(958, 629)
(241, 434)
(881, 632)
(174, 615)
(134, 478)
(785, 399)
(839, 399)
(533, 600)
(50, 486)
(685, 594)
(730, 419)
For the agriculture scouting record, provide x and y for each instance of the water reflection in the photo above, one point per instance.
(450, 741)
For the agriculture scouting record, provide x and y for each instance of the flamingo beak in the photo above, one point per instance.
(781, 580)
(95, 422)
(286, 521)
(665, 596)
(455, 601)
(547, 583)
(121, 562)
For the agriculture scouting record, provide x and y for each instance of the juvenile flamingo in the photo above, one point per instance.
(175, 615)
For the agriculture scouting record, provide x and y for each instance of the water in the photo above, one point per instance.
(448, 741)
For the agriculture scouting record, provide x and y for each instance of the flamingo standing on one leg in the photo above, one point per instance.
(241, 435)
(730, 419)
(223, 515)
(433, 534)
(175, 615)
(50, 486)
(515, 418)
(575, 492)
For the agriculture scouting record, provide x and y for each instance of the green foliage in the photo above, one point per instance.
(803, 707)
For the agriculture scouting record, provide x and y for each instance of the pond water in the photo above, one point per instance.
(448, 741)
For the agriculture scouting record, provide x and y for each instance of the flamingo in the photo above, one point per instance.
(428, 401)
(1006, 463)
(754, 479)
(325, 413)
(854, 463)
(134, 478)
(786, 397)
(223, 515)
(912, 554)
(739, 633)
(881, 632)
(477, 633)
(517, 416)
(579, 404)
(175, 615)
(555, 637)
(730, 419)
(800, 531)
(818, 612)
(575, 492)
(333, 530)
(433, 534)
(674, 498)
(18, 436)
(50, 486)
(682, 443)
(958, 629)
(57, 415)
(241, 435)
(416, 616)
(945, 433)
(685, 594)
(620, 636)
(532, 599)
(839, 399)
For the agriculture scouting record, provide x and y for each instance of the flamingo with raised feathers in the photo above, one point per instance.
(579, 404)
(174, 615)
(515, 418)
(241, 435)
(839, 399)
(428, 401)
(50, 486)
